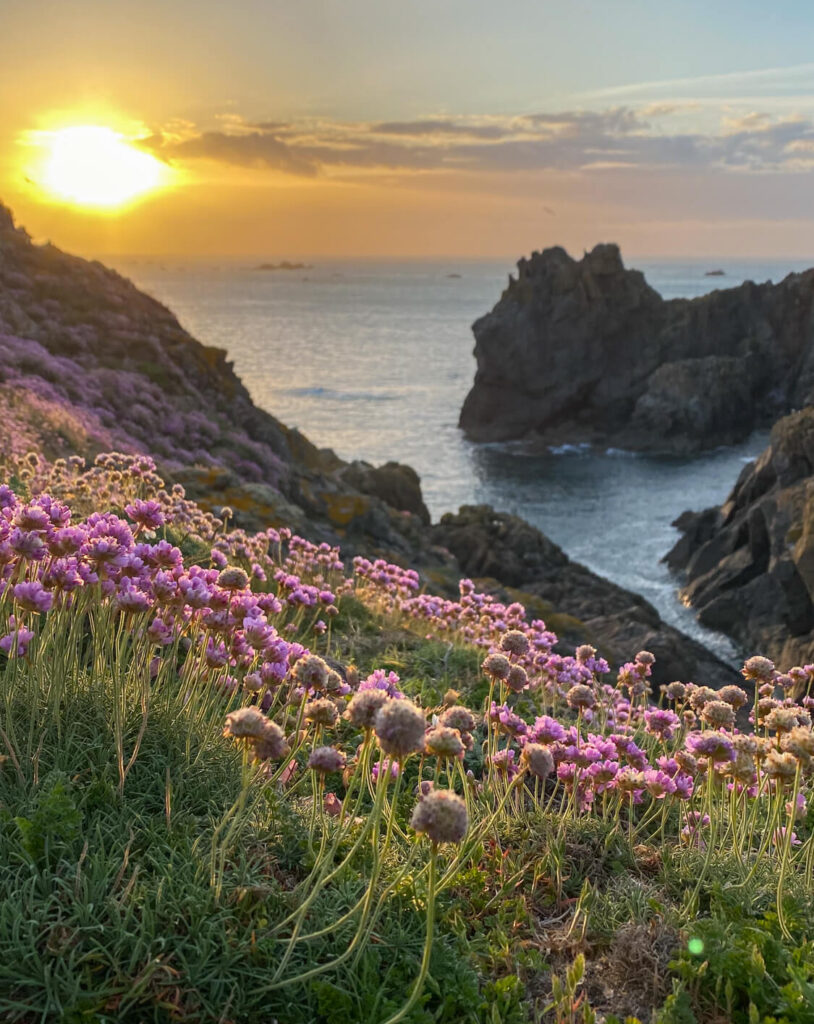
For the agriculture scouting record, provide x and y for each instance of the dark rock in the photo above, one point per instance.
(749, 566)
(486, 543)
(586, 351)
(394, 483)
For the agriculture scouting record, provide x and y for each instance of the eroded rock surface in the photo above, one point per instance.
(748, 566)
(586, 351)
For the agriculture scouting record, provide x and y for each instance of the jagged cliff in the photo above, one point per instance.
(587, 351)
(88, 362)
(748, 566)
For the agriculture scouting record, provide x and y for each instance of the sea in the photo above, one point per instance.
(373, 359)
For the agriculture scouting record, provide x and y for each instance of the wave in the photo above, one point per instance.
(570, 449)
(333, 395)
(621, 453)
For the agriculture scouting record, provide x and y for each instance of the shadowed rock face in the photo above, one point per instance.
(587, 351)
(748, 566)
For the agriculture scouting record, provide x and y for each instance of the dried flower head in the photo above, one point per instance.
(675, 691)
(326, 759)
(780, 766)
(759, 669)
(321, 712)
(311, 672)
(272, 745)
(799, 742)
(444, 742)
(400, 727)
(781, 720)
(580, 697)
(441, 816)
(497, 666)
(745, 743)
(742, 769)
(517, 679)
(764, 707)
(458, 717)
(364, 706)
(538, 759)
(734, 696)
(701, 695)
(718, 714)
(687, 762)
(233, 578)
(514, 642)
(245, 723)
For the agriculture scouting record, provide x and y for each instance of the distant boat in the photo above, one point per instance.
(715, 273)
(453, 275)
(284, 265)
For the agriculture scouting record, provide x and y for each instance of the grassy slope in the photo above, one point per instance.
(111, 916)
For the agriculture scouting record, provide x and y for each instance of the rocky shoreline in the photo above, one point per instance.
(89, 363)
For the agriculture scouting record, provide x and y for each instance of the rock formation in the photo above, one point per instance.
(508, 556)
(88, 362)
(749, 565)
(587, 351)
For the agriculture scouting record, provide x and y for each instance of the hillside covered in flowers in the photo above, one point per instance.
(349, 765)
(243, 780)
(89, 364)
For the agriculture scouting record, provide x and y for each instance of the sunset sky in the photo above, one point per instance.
(376, 128)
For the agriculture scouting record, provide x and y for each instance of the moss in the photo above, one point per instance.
(342, 509)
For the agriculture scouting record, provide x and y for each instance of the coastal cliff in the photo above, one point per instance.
(748, 566)
(585, 351)
(89, 363)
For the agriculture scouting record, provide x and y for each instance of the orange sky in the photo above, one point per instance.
(367, 129)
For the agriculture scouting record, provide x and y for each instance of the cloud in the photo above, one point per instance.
(590, 141)
(259, 149)
(440, 127)
(794, 79)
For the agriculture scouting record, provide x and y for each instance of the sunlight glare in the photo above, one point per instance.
(95, 166)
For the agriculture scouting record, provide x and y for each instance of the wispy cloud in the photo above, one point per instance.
(575, 140)
(795, 79)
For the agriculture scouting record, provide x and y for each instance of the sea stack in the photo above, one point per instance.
(586, 351)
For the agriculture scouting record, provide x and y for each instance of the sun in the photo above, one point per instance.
(94, 166)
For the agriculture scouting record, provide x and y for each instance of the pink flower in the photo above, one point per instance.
(33, 597)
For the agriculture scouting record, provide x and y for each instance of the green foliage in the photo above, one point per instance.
(744, 968)
(568, 1004)
(53, 822)
(113, 917)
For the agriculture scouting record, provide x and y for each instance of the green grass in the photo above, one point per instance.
(108, 911)
(109, 915)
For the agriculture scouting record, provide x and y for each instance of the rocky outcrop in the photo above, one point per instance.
(579, 605)
(748, 566)
(586, 351)
(398, 485)
(88, 362)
